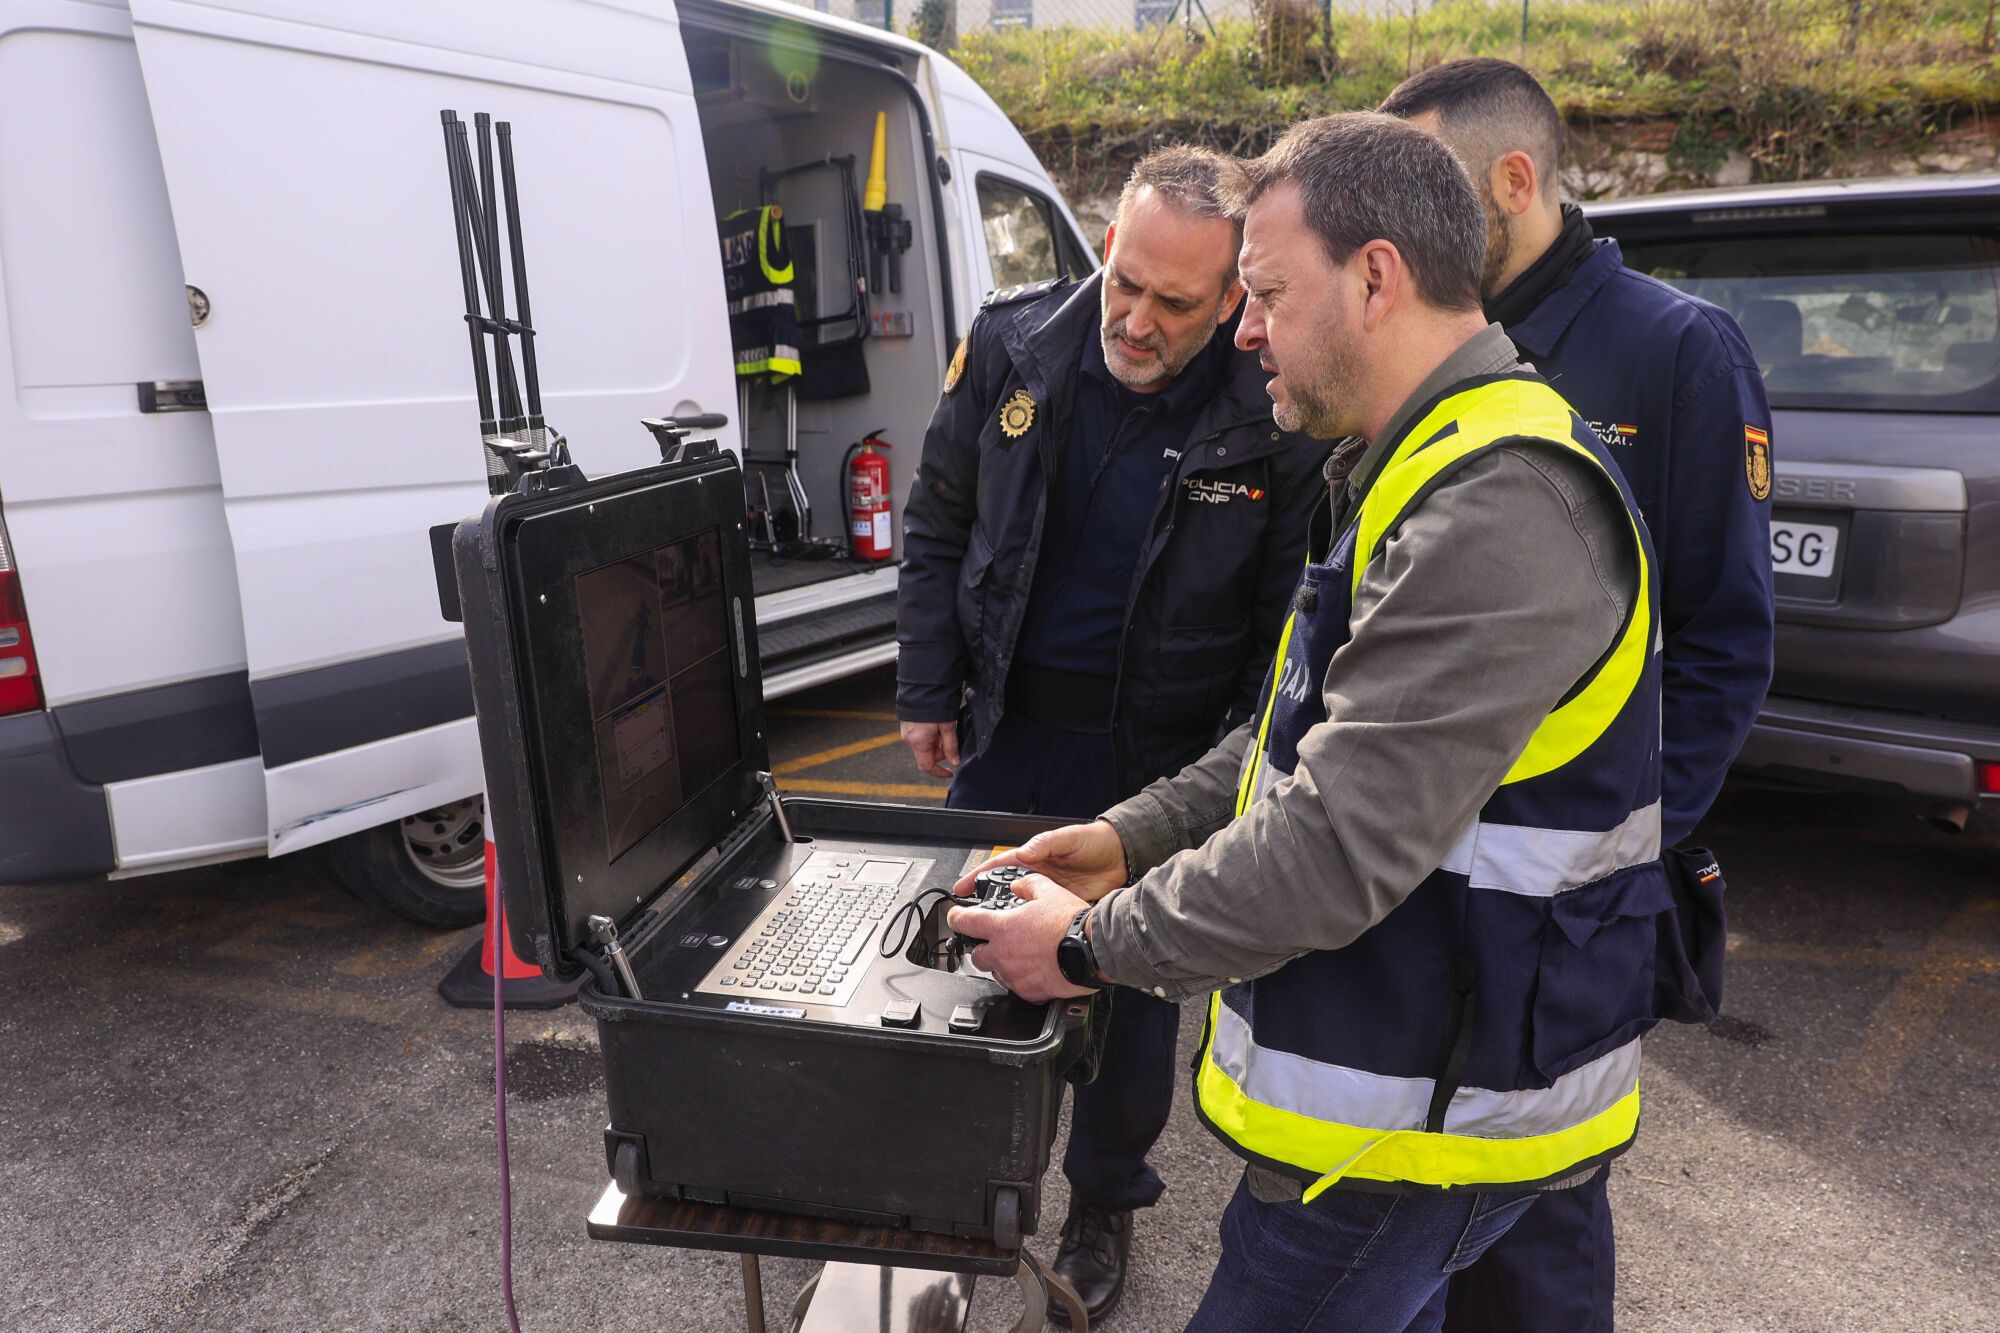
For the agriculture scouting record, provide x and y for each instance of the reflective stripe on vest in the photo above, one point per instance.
(757, 272)
(1251, 1094)
(1331, 1122)
(770, 220)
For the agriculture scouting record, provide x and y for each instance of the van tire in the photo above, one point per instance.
(429, 868)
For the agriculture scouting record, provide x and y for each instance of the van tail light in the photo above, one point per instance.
(1989, 779)
(20, 682)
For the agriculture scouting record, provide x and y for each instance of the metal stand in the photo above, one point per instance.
(795, 486)
(753, 1294)
(793, 481)
(875, 1279)
(1186, 9)
(843, 1298)
(1047, 1283)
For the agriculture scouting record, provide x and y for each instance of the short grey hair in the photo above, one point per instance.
(1195, 181)
(1364, 176)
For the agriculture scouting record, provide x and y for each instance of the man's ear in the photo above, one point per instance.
(1110, 231)
(1232, 297)
(1515, 183)
(1378, 266)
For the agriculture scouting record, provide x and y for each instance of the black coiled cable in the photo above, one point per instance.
(909, 918)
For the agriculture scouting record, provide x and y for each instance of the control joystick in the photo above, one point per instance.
(990, 893)
(994, 887)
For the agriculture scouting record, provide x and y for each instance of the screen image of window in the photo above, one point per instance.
(661, 705)
(1870, 321)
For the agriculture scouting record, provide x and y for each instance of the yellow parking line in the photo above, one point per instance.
(838, 714)
(837, 752)
(907, 791)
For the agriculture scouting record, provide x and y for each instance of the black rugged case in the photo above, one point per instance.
(937, 1131)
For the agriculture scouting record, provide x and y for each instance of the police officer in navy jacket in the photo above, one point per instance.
(1669, 384)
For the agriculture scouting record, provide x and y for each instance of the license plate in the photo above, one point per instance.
(1804, 549)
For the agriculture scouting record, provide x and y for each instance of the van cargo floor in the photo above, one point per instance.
(769, 574)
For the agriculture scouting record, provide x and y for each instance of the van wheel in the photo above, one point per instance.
(429, 868)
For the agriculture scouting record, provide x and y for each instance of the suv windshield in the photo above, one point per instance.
(1902, 322)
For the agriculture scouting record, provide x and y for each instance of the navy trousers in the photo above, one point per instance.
(1553, 1272)
(1115, 1120)
(1350, 1261)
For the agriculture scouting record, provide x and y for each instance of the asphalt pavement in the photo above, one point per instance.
(231, 1100)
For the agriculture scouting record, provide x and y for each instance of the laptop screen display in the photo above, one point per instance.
(655, 637)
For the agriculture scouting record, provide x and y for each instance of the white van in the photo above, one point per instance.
(235, 392)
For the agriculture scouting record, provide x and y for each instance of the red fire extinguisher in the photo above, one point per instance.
(868, 500)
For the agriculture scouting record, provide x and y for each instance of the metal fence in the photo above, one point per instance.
(975, 15)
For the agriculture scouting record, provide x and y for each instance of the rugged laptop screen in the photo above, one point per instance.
(637, 723)
(663, 716)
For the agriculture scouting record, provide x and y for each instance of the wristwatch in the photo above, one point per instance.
(1075, 958)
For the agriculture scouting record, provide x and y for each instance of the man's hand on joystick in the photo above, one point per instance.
(1086, 859)
(1019, 945)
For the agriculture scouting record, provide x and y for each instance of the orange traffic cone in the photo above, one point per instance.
(469, 984)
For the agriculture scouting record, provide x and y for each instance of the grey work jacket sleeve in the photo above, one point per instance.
(1182, 812)
(1495, 597)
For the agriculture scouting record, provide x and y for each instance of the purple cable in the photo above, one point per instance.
(500, 1105)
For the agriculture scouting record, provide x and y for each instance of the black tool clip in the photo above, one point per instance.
(671, 434)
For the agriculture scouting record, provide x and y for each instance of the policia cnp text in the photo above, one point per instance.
(1423, 884)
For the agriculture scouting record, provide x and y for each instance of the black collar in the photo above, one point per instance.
(1551, 269)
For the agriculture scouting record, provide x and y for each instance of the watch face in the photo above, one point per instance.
(1073, 960)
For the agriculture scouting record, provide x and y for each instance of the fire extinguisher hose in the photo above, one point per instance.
(847, 492)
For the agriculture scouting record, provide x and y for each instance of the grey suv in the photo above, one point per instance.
(1874, 310)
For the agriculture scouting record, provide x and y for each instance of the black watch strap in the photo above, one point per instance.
(1076, 957)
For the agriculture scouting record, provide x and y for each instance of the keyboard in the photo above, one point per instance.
(814, 941)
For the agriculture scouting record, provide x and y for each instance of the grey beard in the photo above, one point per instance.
(1306, 417)
(1169, 367)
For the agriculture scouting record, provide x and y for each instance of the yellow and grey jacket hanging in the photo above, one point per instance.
(757, 273)
(1485, 1034)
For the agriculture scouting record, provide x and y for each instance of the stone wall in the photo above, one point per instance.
(1616, 161)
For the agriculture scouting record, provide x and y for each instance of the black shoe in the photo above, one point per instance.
(1096, 1249)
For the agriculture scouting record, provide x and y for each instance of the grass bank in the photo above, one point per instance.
(1794, 86)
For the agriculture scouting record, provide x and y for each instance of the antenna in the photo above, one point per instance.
(454, 132)
(517, 440)
(519, 265)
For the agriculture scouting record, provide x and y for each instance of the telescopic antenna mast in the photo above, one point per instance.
(517, 441)
(519, 265)
(474, 318)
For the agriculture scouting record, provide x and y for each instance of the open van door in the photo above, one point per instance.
(1025, 233)
(1024, 229)
(305, 165)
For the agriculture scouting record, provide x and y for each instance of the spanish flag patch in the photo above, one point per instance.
(1757, 461)
(957, 367)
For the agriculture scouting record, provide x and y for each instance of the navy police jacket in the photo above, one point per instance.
(1214, 580)
(1668, 382)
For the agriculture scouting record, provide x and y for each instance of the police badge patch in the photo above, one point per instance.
(1017, 414)
(1757, 462)
(957, 367)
